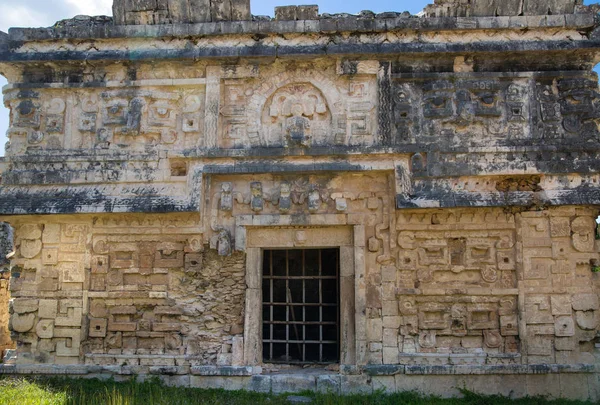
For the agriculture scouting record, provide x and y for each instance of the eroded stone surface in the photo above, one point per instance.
(454, 163)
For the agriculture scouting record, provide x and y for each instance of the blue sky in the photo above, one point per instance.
(43, 13)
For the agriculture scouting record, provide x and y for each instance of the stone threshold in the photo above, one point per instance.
(573, 381)
(345, 370)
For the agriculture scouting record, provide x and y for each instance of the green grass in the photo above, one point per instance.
(91, 392)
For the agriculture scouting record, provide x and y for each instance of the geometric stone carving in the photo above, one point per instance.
(226, 202)
(50, 256)
(100, 264)
(561, 304)
(23, 306)
(297, 115)
(70, 345)
(98, 327)
(564, 326)
(48, 309)
(169, 255)
(481, 318)
(70, 313)
(22, 323)
(45, 329)
(30, 232)
(30, 248)
(509, 325)
(583, 236)
(72, 272)
(492, 339)
(588, 320)
(537, 310)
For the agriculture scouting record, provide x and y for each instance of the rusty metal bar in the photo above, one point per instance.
(314, 346)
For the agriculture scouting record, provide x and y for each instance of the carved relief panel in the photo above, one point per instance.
(506, 111)
(562, 314)
(38, 121)
(142, 119)
(308, 196)
(111, 119)
(47, 283)
(455, 285)
(300, 110)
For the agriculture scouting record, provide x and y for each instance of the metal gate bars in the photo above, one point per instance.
(301, 306)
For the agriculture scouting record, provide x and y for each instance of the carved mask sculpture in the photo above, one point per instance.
(285, 200)
(314, 199)
(256, 191)
(226, 203)
(297, 128)
(583, 234)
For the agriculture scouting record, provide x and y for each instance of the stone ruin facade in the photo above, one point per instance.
(382, 200)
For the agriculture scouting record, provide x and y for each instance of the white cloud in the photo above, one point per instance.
(42, 13)
(20, 16)
(91, 7)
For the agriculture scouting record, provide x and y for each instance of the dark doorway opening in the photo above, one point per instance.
(301, 306)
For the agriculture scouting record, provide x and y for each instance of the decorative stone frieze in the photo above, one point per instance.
(175, 176)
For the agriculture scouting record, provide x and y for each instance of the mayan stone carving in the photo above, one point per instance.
(218, 198)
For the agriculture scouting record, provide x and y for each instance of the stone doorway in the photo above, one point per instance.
(348, 244)
(301, 306)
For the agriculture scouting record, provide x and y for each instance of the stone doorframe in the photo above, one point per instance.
(259, 233)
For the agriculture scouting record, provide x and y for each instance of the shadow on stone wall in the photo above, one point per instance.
(6, 250)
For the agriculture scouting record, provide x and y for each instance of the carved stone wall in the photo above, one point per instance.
(6, 249)
(453, 161)
(101, 287)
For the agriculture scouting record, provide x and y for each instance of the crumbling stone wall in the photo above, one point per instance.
(6, 249)
(85, 289)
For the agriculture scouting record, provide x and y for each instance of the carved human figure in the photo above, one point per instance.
(134, 117)
(297, 128)
(418, 164)
(226, 202)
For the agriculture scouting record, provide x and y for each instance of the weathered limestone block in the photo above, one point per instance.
(292, 13)
(135, 12)
(493, 8)
(22, 323)
(70, 342)
(586, 302)
(588, 320)
(24, 306)
(70, 313)
(45, 329)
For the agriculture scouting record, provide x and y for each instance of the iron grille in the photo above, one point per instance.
(301, 306)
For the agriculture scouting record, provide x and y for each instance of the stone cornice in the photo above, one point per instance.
(324, 26)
